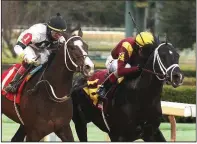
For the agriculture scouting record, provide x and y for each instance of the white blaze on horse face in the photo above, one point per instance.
(87, 60)
(89, 63)
(79, 43)
(170, 52)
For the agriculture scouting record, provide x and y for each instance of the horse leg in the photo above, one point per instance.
(80, 124)
(114, 138)
(65, 133)
(34, 136)
(156, 137)
(19, 135)
(81, 129)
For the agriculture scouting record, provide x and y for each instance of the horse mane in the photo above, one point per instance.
(80, 81)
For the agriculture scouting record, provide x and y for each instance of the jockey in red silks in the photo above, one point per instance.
(121, 58)
(35, 41)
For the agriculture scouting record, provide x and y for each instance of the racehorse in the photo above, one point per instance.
(134, 110)
(45, 105)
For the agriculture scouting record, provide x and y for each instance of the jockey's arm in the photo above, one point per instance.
(19, 50)
(23, 41)
(27, 38)
(124, 55)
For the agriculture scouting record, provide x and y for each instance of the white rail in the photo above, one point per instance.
(178, 109)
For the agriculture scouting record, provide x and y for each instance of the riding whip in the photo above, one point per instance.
(136, 26)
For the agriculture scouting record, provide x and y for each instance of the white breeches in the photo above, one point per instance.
(30, 56)
(112, 64)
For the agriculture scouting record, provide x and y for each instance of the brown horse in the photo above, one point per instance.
(48, 108)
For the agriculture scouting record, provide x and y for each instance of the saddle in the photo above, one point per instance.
(9, 74)
(95, 82)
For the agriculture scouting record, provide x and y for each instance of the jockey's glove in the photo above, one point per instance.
(139, 68)
(61, 40)
(22, 55)
(36, 63)
(31, 61)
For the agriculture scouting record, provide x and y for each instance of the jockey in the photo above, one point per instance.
(121, 58)
(35, 41)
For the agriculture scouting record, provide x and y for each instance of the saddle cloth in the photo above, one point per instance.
(7, 77)
(94, 82)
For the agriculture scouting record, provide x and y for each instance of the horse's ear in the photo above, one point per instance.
(158, 39)
(80, 33)
(66, 35)
(166, 38)
(77, 27)
(68, 30)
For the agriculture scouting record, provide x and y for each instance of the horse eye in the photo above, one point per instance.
(170, 52)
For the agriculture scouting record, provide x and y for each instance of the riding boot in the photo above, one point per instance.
(12, 87)
(104, 88)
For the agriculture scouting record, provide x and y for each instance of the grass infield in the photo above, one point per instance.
(185, 132)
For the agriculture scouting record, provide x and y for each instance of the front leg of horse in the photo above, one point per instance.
(80, 123)
(156, 137)
(19, 135)
(81, 130)
(65, 134)
(116, 138)
(34, 136)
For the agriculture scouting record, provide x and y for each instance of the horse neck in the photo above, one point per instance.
(58, 75)
(152, 85)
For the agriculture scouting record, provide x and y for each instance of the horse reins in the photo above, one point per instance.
(155, 73)
(66, 51)
(163, 69)
(54, 97)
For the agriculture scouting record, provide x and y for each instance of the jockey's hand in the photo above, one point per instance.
(22, 55)
(139, 68)
(31, 61)
(36, 63)
(61, 40)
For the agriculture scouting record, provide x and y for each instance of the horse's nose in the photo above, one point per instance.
(88, 67)
(176, 76)
(177, 79)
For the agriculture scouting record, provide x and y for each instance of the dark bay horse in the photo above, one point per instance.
(135, 109)
(48, 108)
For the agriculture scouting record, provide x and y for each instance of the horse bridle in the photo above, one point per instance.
(53, 96)
(163, 69)
(66, 51)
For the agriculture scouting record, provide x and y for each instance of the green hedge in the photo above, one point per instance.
(182, 94)
(189, 73)
(189, 81)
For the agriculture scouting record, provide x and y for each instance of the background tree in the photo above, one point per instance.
(178, 19)
(9, 11)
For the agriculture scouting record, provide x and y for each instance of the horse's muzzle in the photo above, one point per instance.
(176, 79)
(88, 68)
